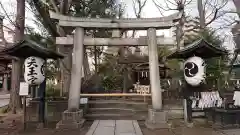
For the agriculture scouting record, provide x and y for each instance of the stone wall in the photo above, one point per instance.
(53, 110)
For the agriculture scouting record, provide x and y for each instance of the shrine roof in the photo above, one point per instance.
(199, 48)
(4, 58)
(134, 59)
(234, 66)
(145, 66)
(28, 48)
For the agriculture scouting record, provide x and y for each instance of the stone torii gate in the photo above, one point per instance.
(156, 117)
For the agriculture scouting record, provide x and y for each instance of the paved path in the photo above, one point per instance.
(114, 127)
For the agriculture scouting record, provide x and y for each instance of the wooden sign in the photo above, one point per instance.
(83, 100)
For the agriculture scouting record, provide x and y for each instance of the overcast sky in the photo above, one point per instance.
(149, 11)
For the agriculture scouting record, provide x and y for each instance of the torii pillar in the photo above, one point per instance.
(5, 82)
(73, 116)
(157, 118)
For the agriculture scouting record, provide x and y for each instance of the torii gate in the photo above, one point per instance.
(156, 116)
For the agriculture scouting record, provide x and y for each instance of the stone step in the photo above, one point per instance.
(117, 104)
(140, 99)
(115, 110)
(126, 116)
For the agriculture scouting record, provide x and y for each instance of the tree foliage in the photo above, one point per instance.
(111, 72)
(78, 8)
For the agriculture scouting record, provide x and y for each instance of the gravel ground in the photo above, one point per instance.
(178, 128)
(13, 126)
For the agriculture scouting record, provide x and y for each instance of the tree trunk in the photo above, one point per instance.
(2, 39)
(95, 59)
(125, 79)
(86, 68)
(66, 71)
(180, 32)
(15, 102)
(237, 5)
(201, 13)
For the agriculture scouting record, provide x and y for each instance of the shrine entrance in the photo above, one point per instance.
(78, 40)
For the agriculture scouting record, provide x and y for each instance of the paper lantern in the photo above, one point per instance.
(194, 71)
(34, 70)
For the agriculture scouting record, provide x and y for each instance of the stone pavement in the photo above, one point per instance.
(114, 127)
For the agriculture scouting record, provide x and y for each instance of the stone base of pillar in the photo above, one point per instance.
(189, 125)
(71, 120)
(157, 119)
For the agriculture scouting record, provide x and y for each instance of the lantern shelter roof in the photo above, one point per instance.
(199, 48)
(6, 59)
(27, 48)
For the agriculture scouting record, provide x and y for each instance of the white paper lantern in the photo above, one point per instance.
(194, 71)
(34, 70)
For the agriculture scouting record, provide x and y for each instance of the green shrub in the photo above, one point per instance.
(52, 91)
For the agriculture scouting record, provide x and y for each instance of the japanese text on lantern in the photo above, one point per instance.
(32, 65)
(34, 70)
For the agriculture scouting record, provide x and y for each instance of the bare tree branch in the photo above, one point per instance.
(178, 4)
(216, 9)
(9, 19)
(167, 4)
(138, 6)
(159, 7)
(187, 2)
(226, 26)
(48, 23)
(8, 28)
(168, 1)
(5, 12)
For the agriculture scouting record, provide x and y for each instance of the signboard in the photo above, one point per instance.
(83, 100)
(24, 87)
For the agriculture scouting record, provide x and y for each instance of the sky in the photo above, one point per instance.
(149, 11)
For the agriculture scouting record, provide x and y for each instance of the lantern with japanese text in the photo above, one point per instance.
(194, 71)
(34, 70)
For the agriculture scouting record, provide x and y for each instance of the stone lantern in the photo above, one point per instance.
(28, 48)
